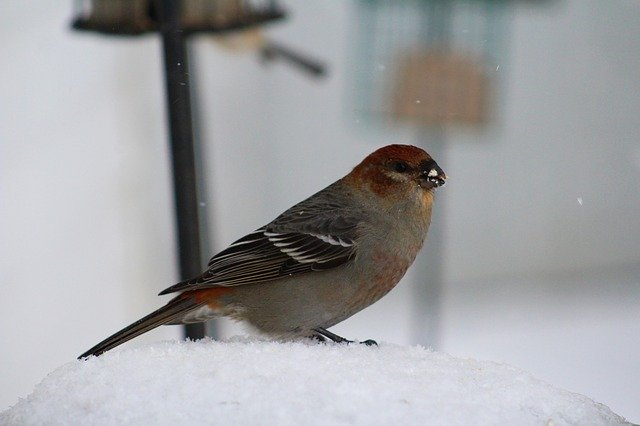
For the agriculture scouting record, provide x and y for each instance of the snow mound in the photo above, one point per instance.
(253, 382)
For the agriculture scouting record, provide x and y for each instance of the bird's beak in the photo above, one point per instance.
(433, 178)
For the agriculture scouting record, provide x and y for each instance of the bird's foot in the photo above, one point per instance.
(322, 334)
(318, 338)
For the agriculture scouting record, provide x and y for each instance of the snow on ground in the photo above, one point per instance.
(255, 382)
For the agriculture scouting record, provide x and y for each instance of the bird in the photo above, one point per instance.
(318, 263)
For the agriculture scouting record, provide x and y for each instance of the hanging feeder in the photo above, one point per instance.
(427, 62)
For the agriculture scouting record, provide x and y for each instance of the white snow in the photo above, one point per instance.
(254, 382)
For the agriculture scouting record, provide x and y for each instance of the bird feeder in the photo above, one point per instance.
(175, 20)
(132, 17)
(427, 62)
(427, 65)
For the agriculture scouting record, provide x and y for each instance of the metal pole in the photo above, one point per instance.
(182, 148)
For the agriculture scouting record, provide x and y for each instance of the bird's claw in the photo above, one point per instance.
(322, 334)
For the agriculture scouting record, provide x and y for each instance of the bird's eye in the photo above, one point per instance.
(400, 167)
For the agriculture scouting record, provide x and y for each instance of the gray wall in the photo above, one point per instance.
(539, 220)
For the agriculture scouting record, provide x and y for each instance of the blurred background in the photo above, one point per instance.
(531, 107)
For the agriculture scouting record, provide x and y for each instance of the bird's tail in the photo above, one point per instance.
(171, 313)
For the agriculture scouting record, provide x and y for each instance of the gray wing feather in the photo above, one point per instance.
(317, 234)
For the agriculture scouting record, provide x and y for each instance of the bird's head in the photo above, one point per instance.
(395, 170)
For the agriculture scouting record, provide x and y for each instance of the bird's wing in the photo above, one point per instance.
(317, 234)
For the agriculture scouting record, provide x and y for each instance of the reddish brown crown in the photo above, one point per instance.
(372, 171)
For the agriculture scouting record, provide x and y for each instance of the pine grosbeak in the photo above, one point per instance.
(319, 262)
